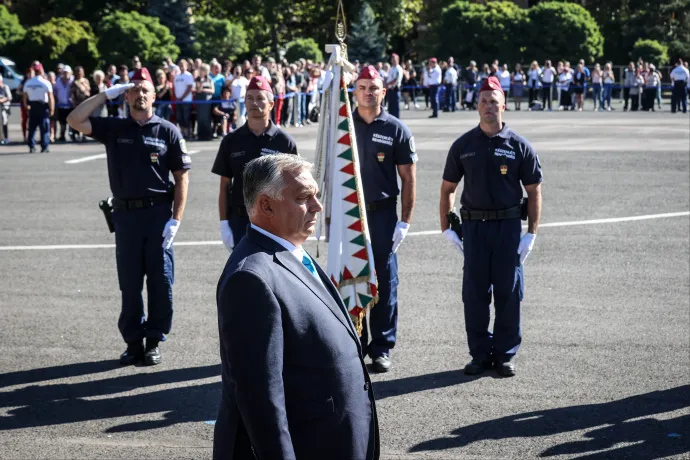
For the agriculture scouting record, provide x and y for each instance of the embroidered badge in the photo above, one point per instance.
(380, 156)
(183, 146)
(412, 146)
(504, 169)
(154, 158)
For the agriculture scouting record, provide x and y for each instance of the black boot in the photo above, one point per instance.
(133, 354)
(152, 356)
(477, 366)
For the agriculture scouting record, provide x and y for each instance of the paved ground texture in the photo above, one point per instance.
(604, 368)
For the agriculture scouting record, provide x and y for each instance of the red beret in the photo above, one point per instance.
(433, 60)
(260, 83)
(369, 73)
(491, 84)
(37, 66)
(394, 55)
(142, 75)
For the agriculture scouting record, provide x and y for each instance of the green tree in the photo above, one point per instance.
(176, 16)
(650, 51)
(10, 28)
(34, 12)
(561, 30)
(58, 40)
(305, 48)
(366, 43)
(124, 35)
(482, 32)
(219, 38)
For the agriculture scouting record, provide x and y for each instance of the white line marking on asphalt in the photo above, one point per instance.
(612, 220)
(102, 156)
(84, 159)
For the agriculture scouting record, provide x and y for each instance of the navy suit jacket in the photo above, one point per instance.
(295, 385)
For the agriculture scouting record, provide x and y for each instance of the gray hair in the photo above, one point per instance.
(265, 176)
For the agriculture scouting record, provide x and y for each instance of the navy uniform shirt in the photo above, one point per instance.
(381, 146)
(140, 158)
(242, 146)
(493, 168)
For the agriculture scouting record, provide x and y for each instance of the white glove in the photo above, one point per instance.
(115, 90)
(526, 245)
(454, 238)
(399, 234)
(226, 235)
(169, 232)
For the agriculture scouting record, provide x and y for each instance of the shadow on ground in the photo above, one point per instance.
(629, 420)
(46, 405)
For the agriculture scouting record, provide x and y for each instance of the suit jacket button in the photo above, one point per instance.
(367, 386)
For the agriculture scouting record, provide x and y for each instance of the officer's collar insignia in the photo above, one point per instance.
(380, 156)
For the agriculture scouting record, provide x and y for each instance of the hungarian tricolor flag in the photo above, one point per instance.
(350, 257)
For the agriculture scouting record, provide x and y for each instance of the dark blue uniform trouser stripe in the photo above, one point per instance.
(139, 254)
(492, 266)
(383, 318)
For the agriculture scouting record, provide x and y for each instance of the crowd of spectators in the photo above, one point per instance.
(206, 99)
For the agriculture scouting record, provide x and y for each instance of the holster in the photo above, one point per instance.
(107, 208)
(455, 223)
(523, 209)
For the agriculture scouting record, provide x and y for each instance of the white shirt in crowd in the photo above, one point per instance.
(37, 89)
(62, 90)
(564, 79)
(239, 87)
(395, 75)
(680, 73)
(182, 81)
(451, 77)
(265, 73)
(548, 74)
(504, 79)
(533, 76)
(432, 76)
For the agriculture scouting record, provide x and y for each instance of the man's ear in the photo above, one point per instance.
(265, 206)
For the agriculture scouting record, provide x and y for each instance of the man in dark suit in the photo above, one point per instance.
(295, 385)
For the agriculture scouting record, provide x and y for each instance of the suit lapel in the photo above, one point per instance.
(290, 263)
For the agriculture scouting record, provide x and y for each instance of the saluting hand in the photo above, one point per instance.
(115, 90)
(399, 234)
(526, 245)
(169, 232)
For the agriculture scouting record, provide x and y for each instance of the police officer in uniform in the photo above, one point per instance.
(39, 100)
(494, 161)
(142, 151)
(258, 136)
(679, 77)
(393, 83)
(386, 149)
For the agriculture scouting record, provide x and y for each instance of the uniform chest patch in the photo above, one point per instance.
(504, 169)
(237, 154)
(154, 141)
(265, 151)
(154, 158)
(467, 155)
(382, 139)
(124, 141)
(380, 156)
(504, 153)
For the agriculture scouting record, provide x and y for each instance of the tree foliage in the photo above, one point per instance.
(561, 30)
(176, 16)
(124, 35)
(650, 51)
(366, 42)
(482, 32)
(305, 48)
(35, 12)
(219, 38)
(58, 40)
(10, 28)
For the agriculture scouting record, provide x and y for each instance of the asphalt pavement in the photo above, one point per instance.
(604, 368)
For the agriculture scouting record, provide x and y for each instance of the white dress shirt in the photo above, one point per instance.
(432, 76)
(298, 252)
(395, 75)
(680, 73)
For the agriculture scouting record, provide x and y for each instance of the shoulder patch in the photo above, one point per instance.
(412, 146)
(183, 146)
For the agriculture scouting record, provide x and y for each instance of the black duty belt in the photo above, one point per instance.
(240, 211)
(380, 205)
(141, 203)
(509, 213)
